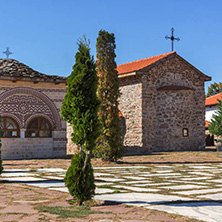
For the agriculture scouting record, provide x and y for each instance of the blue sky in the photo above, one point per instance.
(43, 33)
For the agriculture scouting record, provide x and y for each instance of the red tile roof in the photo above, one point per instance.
(139, 64)
(207, 123)
(120, 114)
(212, 100)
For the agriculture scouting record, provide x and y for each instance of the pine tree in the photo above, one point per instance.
(109, 144)
(1, 168)
(79, 109)
(215, 126)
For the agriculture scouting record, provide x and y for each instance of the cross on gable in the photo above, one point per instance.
(7, 52)
(172, 38)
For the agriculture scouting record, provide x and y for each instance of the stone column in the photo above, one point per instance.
(22, 133)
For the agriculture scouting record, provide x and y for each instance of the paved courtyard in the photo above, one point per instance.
(193, 190)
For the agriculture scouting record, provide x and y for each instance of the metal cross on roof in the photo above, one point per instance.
(172, 37)
(7, 52)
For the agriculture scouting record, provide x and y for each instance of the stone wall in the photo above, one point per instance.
(27, 148)
(23, 101)
(160, 112)
(130, 105)
(175, 112)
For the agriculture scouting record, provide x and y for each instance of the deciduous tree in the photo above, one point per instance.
(214, 89)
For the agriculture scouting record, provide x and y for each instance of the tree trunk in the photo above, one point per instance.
(85, 162)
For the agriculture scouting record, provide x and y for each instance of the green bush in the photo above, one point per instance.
(80, 184)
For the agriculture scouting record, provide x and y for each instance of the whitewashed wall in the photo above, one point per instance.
(209, 113)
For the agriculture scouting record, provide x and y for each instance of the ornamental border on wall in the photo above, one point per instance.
(24, 104)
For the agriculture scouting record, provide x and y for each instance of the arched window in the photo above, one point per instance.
(9, 128)
(39, 127)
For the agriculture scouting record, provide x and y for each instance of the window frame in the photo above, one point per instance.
(185, 132)
(4, 118)
(38, 129)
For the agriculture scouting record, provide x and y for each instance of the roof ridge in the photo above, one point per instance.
(167, 53)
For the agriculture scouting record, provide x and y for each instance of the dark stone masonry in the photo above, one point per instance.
(163, 104)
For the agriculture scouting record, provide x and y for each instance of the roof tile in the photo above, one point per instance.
(212, 100)
(207, 123)
(13, 68)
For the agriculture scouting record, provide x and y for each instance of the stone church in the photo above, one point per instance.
(163, 104)
(162, 107)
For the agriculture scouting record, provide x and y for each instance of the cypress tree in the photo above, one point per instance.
(1, 168)
(215, 126)
(79, 109)
(109, 143)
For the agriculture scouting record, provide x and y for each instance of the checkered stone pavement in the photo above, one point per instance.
(192, 190)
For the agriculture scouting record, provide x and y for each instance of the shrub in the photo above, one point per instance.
(80, 184)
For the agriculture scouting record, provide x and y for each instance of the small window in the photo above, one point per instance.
(9, 128)
(39, 127)
(185, 132)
